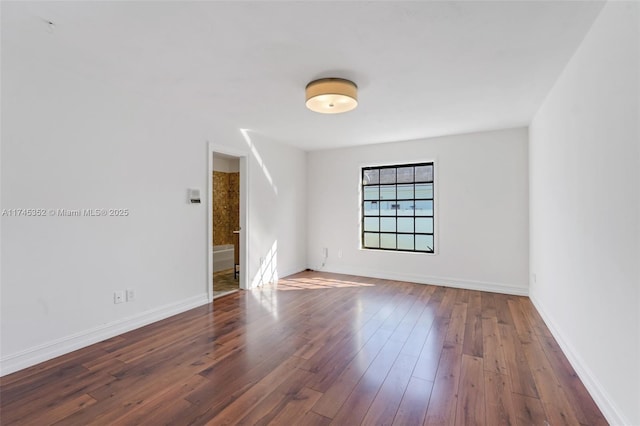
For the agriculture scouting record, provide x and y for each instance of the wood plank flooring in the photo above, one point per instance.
(317, 349)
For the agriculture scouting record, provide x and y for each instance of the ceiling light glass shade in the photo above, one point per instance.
(331, 95)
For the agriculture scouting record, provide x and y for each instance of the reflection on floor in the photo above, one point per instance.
(224, 283)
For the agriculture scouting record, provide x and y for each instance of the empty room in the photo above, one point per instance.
(320, 213)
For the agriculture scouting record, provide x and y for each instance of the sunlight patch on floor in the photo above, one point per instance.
(317, 284)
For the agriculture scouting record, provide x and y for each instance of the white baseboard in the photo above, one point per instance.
(424, 279)
(609, 409)
(64, 345)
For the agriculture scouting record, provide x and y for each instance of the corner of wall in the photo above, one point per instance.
(49, 350)
(610, 410)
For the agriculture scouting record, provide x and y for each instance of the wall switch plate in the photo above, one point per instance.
(118, 297)
(194, 195)
(131, 294)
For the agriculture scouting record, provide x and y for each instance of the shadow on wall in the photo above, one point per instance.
(258, 158)
(267, 271)
(268, 268)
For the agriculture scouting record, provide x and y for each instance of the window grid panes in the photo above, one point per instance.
(398, 208)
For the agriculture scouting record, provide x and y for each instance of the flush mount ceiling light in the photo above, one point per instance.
(331, 95)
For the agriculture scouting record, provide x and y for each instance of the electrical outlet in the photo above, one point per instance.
(340, 254)
(131, 294)
(325, 252)
(534, 278)
(118, 297)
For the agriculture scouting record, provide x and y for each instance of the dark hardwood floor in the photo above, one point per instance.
(317, 349)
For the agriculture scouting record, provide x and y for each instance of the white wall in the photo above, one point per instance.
(226, 165)
(585, 212)
(72, 141)
(481, 211)
(277, 210)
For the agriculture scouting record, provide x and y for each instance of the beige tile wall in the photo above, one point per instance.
(226, 207)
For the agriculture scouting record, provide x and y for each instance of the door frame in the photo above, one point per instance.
(243, 156)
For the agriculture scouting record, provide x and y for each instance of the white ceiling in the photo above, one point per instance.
(423, 68)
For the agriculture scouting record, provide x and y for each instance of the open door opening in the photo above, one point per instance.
(227, 222)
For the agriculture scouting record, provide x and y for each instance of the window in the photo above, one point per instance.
(397, 208)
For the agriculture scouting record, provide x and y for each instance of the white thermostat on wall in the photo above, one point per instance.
(194, 196)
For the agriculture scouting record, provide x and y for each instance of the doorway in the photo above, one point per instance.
(227, 222)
